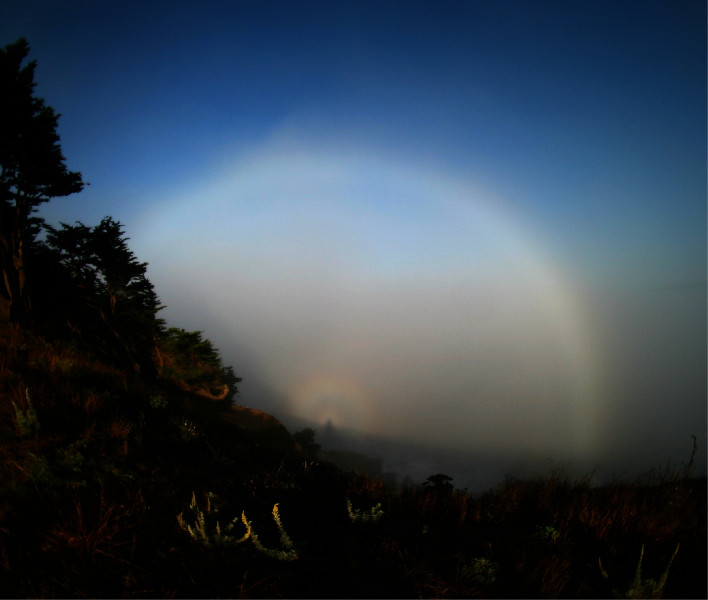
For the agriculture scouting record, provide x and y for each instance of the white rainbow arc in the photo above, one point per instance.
(248, 198)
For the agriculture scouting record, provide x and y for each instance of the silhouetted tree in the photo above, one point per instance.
(32, 171)
(105, 292)
(439, 482)
(306, 439)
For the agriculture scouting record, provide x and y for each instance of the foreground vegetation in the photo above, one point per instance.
(114, 485)
(127, 471)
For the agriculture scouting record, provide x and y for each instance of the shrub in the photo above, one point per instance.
(482, 570)
(27, 421)
(200, 532)
(359, 516)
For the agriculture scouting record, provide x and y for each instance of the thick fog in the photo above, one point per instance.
(416, 318)
(469, 236)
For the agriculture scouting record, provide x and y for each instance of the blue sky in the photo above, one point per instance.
(458, 221)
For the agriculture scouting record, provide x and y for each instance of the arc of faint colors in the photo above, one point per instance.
(554, 296)
(297, 167)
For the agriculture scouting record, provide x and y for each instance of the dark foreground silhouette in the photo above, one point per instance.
(98, 463)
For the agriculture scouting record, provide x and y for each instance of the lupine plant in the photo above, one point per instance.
(360, 516)
(220, 537)
(288, 552)
(198, 531)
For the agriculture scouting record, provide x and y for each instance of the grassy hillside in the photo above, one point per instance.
(119, 485)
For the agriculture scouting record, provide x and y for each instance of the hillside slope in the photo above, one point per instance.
(114, 484)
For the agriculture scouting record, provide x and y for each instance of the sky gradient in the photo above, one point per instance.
(477, 225)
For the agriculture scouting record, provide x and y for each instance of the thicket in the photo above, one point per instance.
(121, 478)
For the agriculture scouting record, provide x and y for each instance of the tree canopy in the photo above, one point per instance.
(102, 289)
(32, 171)
(191, 360)
(80, 280)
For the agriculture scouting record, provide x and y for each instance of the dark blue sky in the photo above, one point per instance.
(458, 220)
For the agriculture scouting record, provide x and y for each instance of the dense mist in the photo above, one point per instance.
(471, 233)
(501, 363)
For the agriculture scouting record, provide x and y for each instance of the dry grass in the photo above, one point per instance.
(87, 531)
(120, 428)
